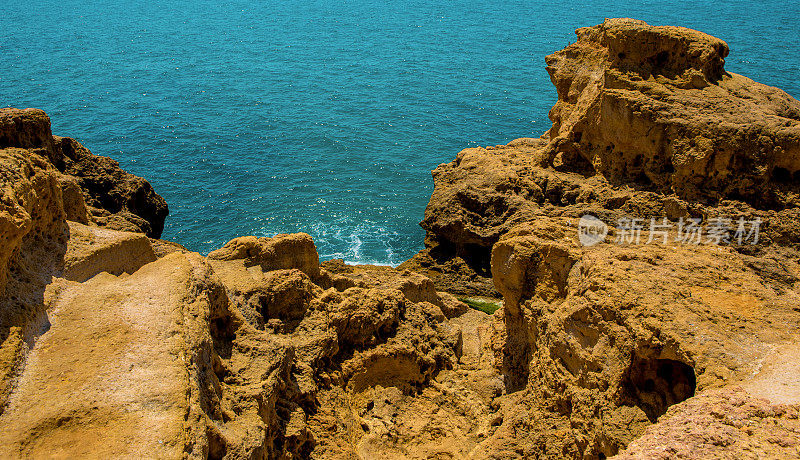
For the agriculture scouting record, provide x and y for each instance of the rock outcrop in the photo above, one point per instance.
(598, 342)
(654, 107)
(93, 188)
(627, 332)
(37, 199)
(209, 358)
(647, 124)
(113, 343)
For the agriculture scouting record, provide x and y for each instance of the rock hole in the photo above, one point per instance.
(222, 328)
(577, 163)
(217, 448)
(477, 257)
(222, 333)
(656, 384)
(781, 175)
(662, 58)
(668, 168)
(516, 353)
(643, 179)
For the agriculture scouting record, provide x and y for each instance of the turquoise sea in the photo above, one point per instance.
(264, 117)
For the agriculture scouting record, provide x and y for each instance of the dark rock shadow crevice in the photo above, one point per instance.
(655, 384)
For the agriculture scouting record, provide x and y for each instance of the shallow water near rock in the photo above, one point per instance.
(271, 117)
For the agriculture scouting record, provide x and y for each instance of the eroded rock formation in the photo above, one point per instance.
(599, 342)
(94, 188)
(113, 343)
(116, 344)
(647, 124)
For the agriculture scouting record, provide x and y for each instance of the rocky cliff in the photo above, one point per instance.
(647, 124)
(599, 342)
(114, 343)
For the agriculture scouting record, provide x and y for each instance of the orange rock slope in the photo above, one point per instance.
(116, 344)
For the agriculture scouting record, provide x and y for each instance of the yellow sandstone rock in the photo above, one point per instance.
(114, 343)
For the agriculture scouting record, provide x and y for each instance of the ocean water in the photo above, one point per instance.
(265, 117)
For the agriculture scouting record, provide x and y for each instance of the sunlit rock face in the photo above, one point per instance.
(114, 343)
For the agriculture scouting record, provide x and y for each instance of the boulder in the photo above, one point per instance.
(93, 250)
(295, 250)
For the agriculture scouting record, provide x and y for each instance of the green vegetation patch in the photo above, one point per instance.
(485, 306)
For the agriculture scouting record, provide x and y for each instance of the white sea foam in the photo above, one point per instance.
(361, 243)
